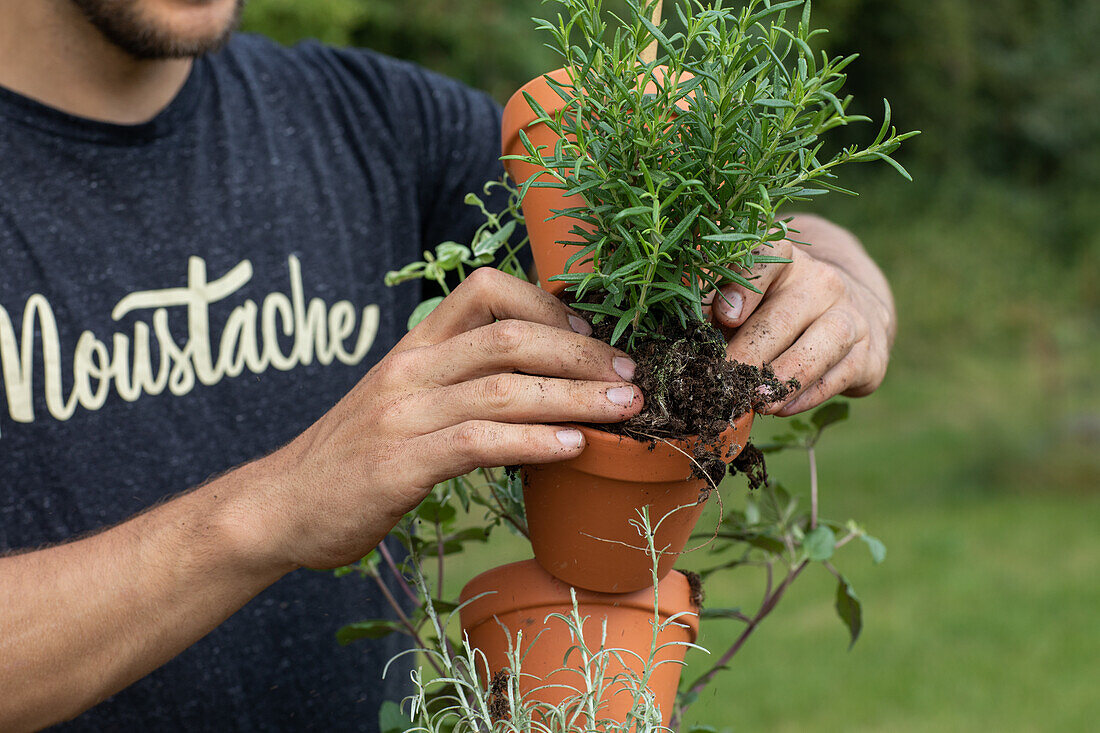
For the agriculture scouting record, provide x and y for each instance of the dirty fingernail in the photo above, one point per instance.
(622, 396)
(731, 305)
(570, 438)
(766, 403)
(580, 325)
(623, 367)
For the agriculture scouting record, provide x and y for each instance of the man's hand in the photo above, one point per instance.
(826, 319)
(473, 385)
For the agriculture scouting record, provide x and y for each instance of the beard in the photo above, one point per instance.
(122, 23)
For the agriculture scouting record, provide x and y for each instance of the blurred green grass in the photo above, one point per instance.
(982, 617)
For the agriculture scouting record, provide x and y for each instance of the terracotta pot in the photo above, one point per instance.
(539, 203)
(579, 511)
(525, 595)
(547, 236)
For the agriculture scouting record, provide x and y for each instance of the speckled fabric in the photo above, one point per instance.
(182, 296)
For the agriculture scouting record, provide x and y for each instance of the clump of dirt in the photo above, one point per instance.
(498, 696)
(691, 388)
(751, 463)
(695, 583)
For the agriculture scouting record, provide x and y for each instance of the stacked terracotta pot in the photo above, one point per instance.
(582, 513)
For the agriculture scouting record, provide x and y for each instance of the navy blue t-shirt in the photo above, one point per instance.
(182, 296)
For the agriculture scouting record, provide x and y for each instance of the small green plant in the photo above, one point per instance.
(453, 259)
(685, 161)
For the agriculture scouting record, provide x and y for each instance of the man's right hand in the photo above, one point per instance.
(474, 384)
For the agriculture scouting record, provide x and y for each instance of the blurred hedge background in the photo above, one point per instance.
(978, 462)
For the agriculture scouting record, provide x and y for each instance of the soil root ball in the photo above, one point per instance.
(751, 463)
(692, 388)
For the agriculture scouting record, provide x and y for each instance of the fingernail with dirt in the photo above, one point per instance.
(623, 367)
(622, 396)
(767, 403)
(731, 305)
(570, 438)
(580, 325)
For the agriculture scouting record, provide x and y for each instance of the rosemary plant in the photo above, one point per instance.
(685, 161)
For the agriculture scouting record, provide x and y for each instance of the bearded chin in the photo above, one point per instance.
(123, 24)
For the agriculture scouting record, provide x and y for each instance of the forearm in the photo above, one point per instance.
(81, 621)
(836, 245)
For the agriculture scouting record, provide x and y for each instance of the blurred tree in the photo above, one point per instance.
(1006, 89)
(1013, 86)
(489, 44)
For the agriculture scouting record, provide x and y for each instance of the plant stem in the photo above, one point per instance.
(813, 488)
(768, 585)
(439, 561)
(765, 608)
(405, 620)
(503, 512)
(385, 553)
(846, 539)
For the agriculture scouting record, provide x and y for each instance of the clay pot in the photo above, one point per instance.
(539, 203)
(550, 238)
(525, 595)
(579, 511)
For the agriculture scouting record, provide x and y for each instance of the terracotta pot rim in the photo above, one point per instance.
(542, 590)
(594, 436)
(621, 457)
(518, 113)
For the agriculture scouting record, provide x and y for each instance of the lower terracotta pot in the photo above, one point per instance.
(520, 597)
(579, 511)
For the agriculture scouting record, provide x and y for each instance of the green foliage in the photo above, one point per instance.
(1004, 90)
(849, 608)
(683, 171)
(875, 546)
(490, 245)
(391, 719)
(773, 527)
(801, 434)
(819, 544)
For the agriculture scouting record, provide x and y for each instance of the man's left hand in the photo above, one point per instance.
(826, 318)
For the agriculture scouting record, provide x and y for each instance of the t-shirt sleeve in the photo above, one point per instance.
(445, 138)
(460, 153)
(450, 134)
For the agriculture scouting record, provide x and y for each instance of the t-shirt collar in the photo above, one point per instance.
(25, 110)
